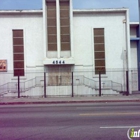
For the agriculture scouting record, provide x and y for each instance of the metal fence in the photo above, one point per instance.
(75, 83)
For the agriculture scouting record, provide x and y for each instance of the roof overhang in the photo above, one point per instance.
(12, 12)
(120, 10)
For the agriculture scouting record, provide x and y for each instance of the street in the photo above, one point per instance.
(93, 121)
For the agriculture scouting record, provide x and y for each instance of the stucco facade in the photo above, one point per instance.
(115, 42)
(31, 22)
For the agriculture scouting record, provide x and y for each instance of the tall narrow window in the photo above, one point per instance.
(18, 52)
(65, 25)
(51, 25)
(99, 50)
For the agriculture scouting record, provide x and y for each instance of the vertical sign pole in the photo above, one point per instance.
(127, 83)
(100, 83)
(138, 47)
(18, 86)
(45, 85)
(72, 85)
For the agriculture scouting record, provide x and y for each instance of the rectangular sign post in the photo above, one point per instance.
(18, 87)
(127, 83)
(72, 85)
(138, 48)
(100, 83)
(45, 85)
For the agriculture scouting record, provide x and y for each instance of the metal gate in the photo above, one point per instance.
(134, 74)
(59, 80)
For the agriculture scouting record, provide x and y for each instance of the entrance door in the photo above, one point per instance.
(59, 75)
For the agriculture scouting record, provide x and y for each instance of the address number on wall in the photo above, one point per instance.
(58, 62)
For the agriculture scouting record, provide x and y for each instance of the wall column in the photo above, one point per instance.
(138, 47)
(138, 57)
(58, 28)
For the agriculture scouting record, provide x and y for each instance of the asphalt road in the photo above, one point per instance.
(102, 121)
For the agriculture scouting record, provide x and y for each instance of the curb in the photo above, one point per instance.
(66, 102)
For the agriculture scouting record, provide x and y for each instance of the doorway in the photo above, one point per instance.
(59, 75)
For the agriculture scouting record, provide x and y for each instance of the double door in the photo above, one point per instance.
(59, 75)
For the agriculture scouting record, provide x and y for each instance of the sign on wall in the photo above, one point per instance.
(3, 65)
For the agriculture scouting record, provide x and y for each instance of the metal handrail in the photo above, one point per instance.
(6, 87)
(119, 86)
(12, 86)
(91, 83)
(22, 89)
(110, 85)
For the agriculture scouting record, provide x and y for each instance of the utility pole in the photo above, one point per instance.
(139, 15)
(139, 8)
(139, 47)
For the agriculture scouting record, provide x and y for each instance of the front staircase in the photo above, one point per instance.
(80, 83)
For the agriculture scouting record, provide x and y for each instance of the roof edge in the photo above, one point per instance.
(100, 10)
(20, 11)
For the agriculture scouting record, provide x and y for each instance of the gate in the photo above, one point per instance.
(134, 74)
(58, 80)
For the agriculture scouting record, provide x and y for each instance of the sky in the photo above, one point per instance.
(77, 4)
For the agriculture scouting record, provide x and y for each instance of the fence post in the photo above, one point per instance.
(127, 83)
(45, 85)
(18, 86)
(100, 83)
(111, 85)
(72, 85)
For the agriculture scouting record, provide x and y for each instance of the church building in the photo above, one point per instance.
(66, 50)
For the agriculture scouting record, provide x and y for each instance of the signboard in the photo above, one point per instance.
(3, 65)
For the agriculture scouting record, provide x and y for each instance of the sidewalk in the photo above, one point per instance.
(58, 100)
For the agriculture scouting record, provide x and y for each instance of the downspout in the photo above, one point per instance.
(124, 56)
(128, 51)
(44, 28)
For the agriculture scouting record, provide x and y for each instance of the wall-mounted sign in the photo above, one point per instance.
(3, 65)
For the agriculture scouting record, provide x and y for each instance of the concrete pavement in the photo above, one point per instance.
(58, 100)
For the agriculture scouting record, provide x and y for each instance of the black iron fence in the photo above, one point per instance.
(76, 83)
